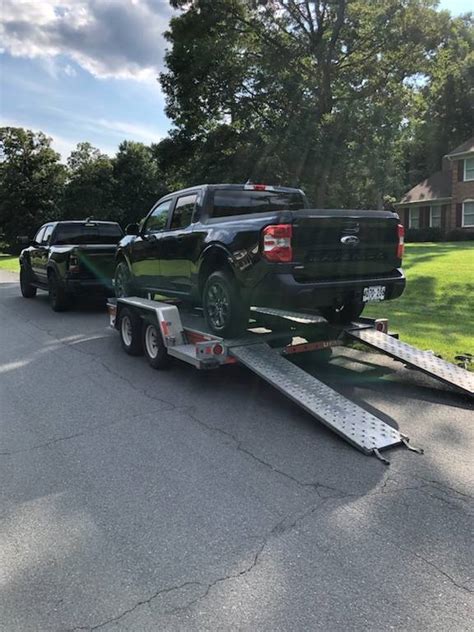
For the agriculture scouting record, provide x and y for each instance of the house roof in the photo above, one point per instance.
(465, 148)
(437, 186)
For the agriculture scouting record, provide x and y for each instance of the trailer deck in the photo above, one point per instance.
(183, 334)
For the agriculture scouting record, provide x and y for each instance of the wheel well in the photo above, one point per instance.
(215, 259)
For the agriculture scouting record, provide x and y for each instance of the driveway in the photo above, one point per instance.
(139, 500)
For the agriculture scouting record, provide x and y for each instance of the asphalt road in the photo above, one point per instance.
(137, 500)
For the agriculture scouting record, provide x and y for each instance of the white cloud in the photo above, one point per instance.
(109, 38)
(62, 144)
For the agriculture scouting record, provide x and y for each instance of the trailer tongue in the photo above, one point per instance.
(165, 332)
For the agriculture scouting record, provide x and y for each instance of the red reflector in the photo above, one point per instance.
(259, 187)
(401, 241)
(218, 349)
(277, 243)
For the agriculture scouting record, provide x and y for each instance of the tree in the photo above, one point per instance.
(323, 86)
(90, 188)
(31, 182)
(442, 112)
(138, 181)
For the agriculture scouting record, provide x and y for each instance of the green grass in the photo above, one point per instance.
(436, 310)
(7, 262)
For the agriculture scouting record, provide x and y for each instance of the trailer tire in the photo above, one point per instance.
(130, 329)
(154, 347)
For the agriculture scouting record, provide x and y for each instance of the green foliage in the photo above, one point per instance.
(137, 181)
(311, 94)
(31, 181)
(89, 188)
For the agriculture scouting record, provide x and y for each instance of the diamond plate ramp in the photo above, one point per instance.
(413, 357)
(354, 424)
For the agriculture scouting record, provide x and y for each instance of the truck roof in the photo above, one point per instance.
(237, 187)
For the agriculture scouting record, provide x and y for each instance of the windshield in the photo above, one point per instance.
(79, 234)
(229, 202)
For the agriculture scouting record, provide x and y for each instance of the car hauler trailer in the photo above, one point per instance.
(163, 331)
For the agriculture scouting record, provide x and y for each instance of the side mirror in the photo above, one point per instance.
(24, 240)
(132, 229)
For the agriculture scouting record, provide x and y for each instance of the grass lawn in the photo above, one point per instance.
(7, 262)
(437, 309)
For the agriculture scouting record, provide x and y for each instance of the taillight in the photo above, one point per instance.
(73, 263)
(401, 241)
(277, 243)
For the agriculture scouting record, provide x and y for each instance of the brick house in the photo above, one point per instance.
(446, 199)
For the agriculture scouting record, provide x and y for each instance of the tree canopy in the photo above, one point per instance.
(353, 101)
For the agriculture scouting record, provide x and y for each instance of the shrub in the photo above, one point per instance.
(424, 234)
(460, 234)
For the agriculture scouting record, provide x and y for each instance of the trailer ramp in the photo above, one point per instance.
(416, 358)
(354, 424)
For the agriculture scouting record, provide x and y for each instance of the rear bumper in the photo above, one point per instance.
(89, 286)
(283, 291)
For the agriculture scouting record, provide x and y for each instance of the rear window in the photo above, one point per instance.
(227, 202)
(81, 234)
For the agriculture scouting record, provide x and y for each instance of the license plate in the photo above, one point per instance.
(374, 293)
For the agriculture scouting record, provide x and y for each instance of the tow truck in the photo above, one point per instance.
(166, 331)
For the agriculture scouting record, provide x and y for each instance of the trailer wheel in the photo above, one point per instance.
(154, 347)
(130, 328)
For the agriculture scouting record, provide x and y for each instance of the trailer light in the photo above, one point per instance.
(401, 241)
(277, 243)
(218, 349)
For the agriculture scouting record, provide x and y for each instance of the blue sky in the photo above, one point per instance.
(86, 69)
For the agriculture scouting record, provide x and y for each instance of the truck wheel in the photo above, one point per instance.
(58, 297)
(130, 328)
(225, 311)
(122, 280)
(27, 290)
(154, 347)
(343, 314)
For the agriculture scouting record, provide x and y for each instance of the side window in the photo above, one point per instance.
(48, 231)
(39, 235)
(157, 220)
(183, 212)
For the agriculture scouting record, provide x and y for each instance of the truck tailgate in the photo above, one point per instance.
(96, 261)
(344, 244)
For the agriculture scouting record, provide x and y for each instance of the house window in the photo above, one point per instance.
(468, 214)
(435, 217)
(414, 218)
(469, 169)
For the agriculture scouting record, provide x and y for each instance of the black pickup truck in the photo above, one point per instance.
(227, 247)
(70, 258)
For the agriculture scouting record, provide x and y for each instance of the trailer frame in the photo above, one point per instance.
(164, 331)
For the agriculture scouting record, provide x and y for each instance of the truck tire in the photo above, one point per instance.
(227, 314)
(154, 347)
(123, 284)
(58, 297)
(27, 290)
(130, 329)
(344, 314)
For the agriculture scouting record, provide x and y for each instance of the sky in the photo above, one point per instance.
(86, 70)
